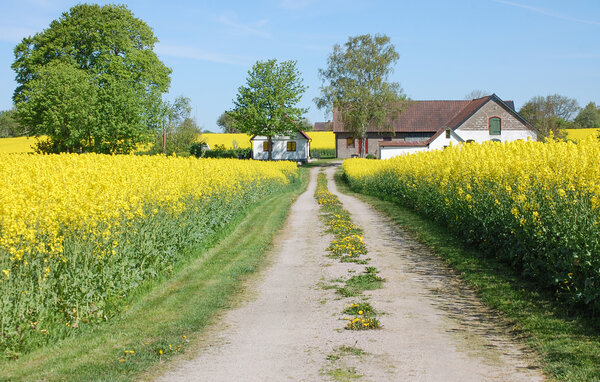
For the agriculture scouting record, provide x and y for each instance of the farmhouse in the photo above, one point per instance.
(430, 125)
(294, 148)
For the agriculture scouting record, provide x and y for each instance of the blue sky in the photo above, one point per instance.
(514, 48)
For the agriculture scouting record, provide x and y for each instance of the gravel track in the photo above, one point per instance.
(289, 326)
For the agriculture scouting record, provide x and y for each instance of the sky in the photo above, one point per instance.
(516, 49)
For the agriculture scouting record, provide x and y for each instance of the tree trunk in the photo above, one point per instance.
(363, 139)
(270, 144)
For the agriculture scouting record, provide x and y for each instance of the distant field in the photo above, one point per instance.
(17, 145)
(320, 140)
(578, 134)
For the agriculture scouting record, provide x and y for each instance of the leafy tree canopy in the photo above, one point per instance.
(588, 117)
(9, 127)
(356, 83)
(550, 114)
(91, 81)
(266, 105)
(226, 122)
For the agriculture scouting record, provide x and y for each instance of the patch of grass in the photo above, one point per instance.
(343, 374)
(360, 309)
(350, 350)
(163, 320)
(569, 345)
(355, 285)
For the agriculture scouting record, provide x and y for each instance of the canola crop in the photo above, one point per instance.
(78, 232)
(534, 204)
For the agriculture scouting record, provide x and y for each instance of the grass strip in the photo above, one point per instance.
(165, 319)
(568, 345)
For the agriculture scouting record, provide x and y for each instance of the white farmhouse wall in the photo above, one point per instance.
(441, 141)
(505, 136)
(390, 152)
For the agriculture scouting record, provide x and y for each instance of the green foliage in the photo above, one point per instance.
(322, 153)
(225, 122)
(356, 84)
(550, 114)
(588, 117)
(233, 153)
(9, 127)
(266, 106)
(91, 82)
(180, 132)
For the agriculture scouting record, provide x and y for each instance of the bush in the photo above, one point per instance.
(233, 153)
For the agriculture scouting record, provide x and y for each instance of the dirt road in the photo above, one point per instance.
(290, 326)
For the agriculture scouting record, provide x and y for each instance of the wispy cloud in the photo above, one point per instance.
(190, 52)
(296, 4)
(256, 29)
(14, 34)
(547, 12)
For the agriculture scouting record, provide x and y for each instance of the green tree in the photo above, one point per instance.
(552, 113)
(305, 124)
(179, 130)
(91, 81)
(225, 122)
(356, 83)
(266, 106)
(588, 117)
(9, 127)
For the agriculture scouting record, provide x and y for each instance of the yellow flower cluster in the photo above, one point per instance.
(348, 243)
(76, 230)
(535, 203)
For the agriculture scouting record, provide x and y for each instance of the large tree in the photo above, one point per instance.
(356, 83)
(552, 113)
(588, 117)
(267, 104)
(91, 81)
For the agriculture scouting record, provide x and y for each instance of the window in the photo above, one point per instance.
(495, 126)
(447, 133)
(266, 146)
(387, 139)
(291, 146)
(350, 143)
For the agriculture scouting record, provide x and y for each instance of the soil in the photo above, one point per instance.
(290, 325)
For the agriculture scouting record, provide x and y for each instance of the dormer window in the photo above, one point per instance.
(495, 126)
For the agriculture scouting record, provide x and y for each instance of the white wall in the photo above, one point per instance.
(390, 152)
(505, 136)
(441, 141)
(280, 148)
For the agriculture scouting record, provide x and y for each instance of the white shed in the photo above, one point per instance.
(294, 148)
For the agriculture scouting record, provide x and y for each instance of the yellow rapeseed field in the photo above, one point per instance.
(580, 134)
(320, 140)
(79, 230)
(535, 204)
(17, 145)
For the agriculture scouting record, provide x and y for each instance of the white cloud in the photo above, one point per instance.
(255, 29)
(190, 52)
(547, 12)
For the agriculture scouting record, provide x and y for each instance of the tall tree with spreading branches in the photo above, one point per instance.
(91, 82)
(356, 84)
(267, 104)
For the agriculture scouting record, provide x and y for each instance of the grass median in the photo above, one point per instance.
(166, 317)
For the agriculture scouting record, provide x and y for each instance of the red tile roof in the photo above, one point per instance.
(323, 126)
(431, 116)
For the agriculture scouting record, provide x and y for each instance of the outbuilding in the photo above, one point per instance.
(294, 148)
